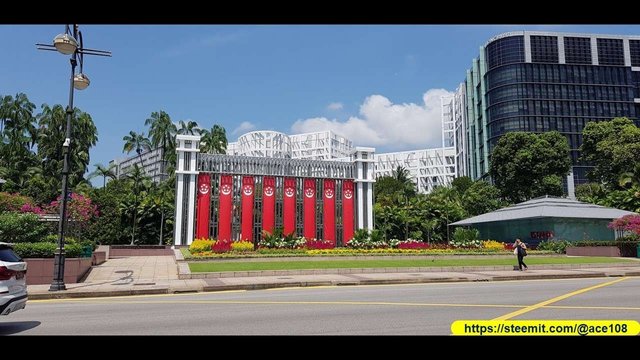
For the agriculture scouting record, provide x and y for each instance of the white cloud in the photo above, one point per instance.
(385, 124)
(335, 106)
(244, 127)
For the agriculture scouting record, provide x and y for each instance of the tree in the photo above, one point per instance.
(630, 178)
(525, 165)
(52, 124)
(461, 184)
(137, 142)
(188, 128)
(103, 171)
(140, 183)
(481, 197)
(214, 141)
(17, 138)
(613, 147)
(162, 132)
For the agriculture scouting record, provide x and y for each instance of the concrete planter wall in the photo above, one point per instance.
(40, 271)
(98, 257)
(124, 250)
(610, 251)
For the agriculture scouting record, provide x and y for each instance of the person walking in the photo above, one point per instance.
(520, 249)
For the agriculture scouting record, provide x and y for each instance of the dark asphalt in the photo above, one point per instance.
(344, 310)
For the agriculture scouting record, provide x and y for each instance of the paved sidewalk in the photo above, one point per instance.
(138, 275)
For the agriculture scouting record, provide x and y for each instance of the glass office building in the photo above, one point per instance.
(544, 81)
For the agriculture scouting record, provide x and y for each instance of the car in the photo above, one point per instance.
(13, 283)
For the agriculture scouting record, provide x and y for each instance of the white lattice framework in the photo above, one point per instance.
(428, 168)
(263, 143)
(321, 145)
(453, 126)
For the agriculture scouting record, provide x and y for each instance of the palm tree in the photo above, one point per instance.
(214, 141)
(51, 132)
(103, 171)
(189, 128)
(139, 183)
(404, 180)
(5, 105)
(162, 133)
(137, 142)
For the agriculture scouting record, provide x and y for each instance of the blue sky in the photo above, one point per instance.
(379, 85)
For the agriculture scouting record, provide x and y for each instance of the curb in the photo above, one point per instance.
(96, 294)
(262, 286)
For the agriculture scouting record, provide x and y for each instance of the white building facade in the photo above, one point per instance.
(151, 162)
(429, 168)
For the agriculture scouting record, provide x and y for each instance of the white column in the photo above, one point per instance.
(594, 51)
(364, 158)
(187, 147)
(527, 47)
(571, 189)
(627, 52)
(561, 57)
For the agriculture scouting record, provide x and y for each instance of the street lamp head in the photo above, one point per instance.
(65, 44)
(81, 81)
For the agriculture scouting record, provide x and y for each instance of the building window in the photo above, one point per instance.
(504, 51)
(544, 49)
(610, 52)
(634, 48)
(577, 50)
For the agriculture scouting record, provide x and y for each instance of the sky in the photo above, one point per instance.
(379, 85)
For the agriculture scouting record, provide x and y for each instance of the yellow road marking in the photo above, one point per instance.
(556, 299)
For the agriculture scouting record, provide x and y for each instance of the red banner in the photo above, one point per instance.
(268, 203)
(348, 195)
(203, 205)
(226, 203)
(247, 208)
(329, 210)
(289, 203)
(309, 203)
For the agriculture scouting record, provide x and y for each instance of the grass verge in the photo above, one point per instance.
(345, 264)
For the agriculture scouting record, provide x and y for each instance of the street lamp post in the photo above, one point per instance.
(69, 43)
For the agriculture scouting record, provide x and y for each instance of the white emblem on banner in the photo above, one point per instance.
(268, 191)
(248, 190)
(328, 193)
(348, 194)
(289, 192)
(204, 189)
(309, 193)
(225, 189)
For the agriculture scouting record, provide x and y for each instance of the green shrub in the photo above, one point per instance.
(241, 246)
(462, 235)
(17, 228)
(557, 246)
(13, 202)
(201, 245)
(45, 250)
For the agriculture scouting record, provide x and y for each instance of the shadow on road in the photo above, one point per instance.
(8, 328)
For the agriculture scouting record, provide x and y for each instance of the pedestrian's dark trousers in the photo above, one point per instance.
(521, 262)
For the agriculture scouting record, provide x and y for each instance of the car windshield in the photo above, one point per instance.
(6, 254)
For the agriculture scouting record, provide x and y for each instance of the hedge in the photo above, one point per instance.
(46, 250)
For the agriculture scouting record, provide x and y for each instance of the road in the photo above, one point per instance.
(343, 310)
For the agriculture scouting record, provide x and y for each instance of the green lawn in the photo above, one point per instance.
(342, 264)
